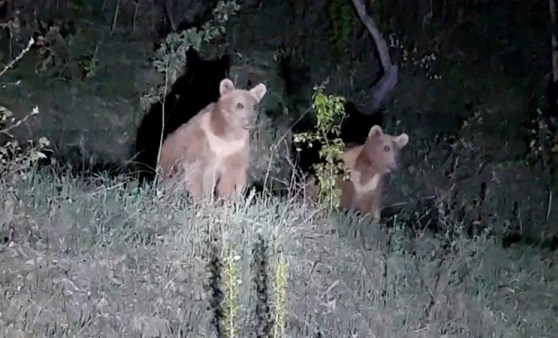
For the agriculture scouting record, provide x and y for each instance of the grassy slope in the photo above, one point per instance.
(102, 260)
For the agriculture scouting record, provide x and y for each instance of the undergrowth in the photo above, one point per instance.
(107, 258)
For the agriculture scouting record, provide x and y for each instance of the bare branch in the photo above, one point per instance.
(17, 58)
(384, 87)
(169, 12)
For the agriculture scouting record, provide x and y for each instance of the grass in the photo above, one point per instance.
(101, 258)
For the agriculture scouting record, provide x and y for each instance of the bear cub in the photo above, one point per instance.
(367, 164)
(191, 92)
(212, 150)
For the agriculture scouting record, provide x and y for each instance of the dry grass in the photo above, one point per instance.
(107, 259)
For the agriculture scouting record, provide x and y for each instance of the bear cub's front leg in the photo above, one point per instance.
(233, 177)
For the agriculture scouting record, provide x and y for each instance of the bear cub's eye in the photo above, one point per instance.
(386, 148)
(239, 106)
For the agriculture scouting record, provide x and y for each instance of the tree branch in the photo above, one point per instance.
(384, 87)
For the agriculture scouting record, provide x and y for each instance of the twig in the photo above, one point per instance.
(168, 13)
(6, 130)
(115, 16)
(400, 204)
(136, 6)
(549, 203)
(17, 58)
(161, 139)
(274, 146)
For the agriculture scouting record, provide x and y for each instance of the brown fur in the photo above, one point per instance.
(213, 148)
(367, 165)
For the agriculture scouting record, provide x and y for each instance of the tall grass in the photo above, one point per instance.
(104, 258)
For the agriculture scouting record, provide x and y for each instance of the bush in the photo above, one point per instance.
(16, 159)
(329, 113)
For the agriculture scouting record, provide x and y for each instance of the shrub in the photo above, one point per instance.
(329, 112)
(16, 159)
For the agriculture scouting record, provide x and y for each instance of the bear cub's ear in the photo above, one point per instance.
(258, 91)
(401, 140)
(375, 131)
(226, 86)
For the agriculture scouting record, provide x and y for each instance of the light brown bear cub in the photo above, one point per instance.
(367, 164)
(213, 148)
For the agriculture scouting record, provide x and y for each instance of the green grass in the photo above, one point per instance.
(104, 259)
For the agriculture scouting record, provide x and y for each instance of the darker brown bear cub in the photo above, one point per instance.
(213, 148)
(367, 165)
